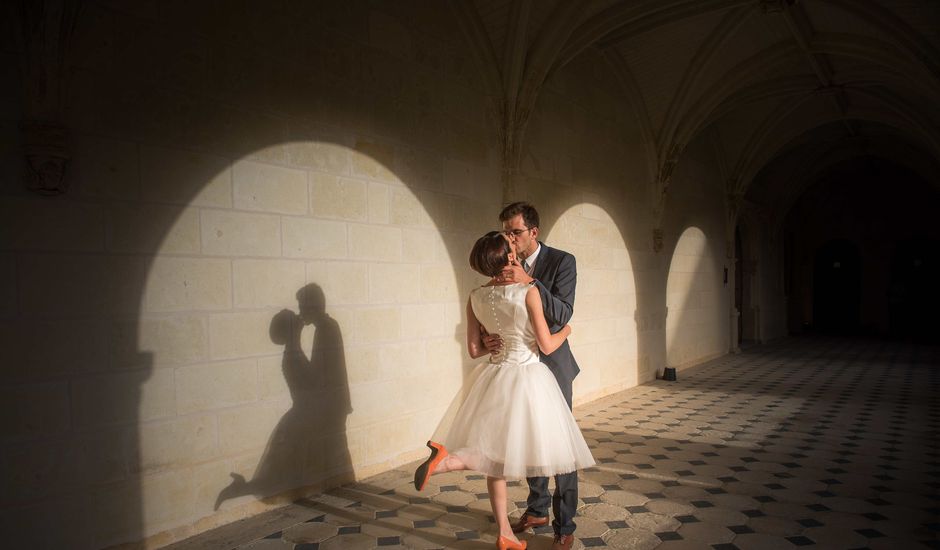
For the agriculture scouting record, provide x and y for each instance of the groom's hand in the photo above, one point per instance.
(513, 273)
(492, 342)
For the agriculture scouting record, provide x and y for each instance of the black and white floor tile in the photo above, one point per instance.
(819, 443)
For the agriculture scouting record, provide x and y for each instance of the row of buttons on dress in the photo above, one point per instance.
(495, 317)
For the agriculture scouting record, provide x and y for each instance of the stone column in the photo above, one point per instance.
(734, 330)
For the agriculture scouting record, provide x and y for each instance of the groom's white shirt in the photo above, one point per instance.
(531, 259)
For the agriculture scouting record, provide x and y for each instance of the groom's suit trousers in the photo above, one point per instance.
(555, 273)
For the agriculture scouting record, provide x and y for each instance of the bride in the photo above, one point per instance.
(513, 422)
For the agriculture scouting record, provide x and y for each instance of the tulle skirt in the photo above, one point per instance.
(513, 422)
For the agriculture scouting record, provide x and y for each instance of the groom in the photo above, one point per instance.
(555, 274)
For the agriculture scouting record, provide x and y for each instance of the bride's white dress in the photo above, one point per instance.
(512, 420)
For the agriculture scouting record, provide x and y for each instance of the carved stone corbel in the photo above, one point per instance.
(45, 148)
(44, 33)
(668, 164)
(510, 134)
(657, 240)
(775, 6)
(658, 207)
(659, 193)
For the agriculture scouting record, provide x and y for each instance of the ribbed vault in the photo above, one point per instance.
(755, 76)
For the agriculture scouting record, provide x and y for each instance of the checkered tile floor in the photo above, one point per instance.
(806, 443)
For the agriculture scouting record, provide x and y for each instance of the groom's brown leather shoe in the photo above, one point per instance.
(563, 542)
(527, 521)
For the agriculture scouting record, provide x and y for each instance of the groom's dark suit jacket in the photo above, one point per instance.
(556, 275)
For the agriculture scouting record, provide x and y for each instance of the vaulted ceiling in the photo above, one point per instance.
(809, 81)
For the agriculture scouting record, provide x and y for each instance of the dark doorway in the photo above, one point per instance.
(913, 295)
(837, 278)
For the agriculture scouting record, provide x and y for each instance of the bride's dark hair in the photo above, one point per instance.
(490, 254)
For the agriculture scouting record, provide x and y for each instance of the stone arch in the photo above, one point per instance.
(815, 167)
(698, 66)
(629, 19)
(883, 55)
(604, 338)
(915, 45)
(695, 118)
(694, 301)
(777, 138)
(914, 154)
(635, 99)
(515, 78)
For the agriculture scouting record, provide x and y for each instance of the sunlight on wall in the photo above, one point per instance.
(694, 298)
(230, 407)
(603, 327)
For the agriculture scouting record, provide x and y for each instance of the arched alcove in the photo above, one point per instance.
(366, 238)
(696, 313)
(604, 335)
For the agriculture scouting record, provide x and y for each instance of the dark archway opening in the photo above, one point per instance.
(914, 294)
(861, 250)
(837, 281)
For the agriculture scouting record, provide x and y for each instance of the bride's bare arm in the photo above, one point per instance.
(547, 341)
(474, 337)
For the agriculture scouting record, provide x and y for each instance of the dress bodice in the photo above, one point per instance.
(502, 310)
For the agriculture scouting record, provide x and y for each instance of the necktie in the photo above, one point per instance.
(525, 266)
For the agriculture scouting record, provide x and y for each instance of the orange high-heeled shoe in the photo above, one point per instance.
(502, 543)
(424, 471)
